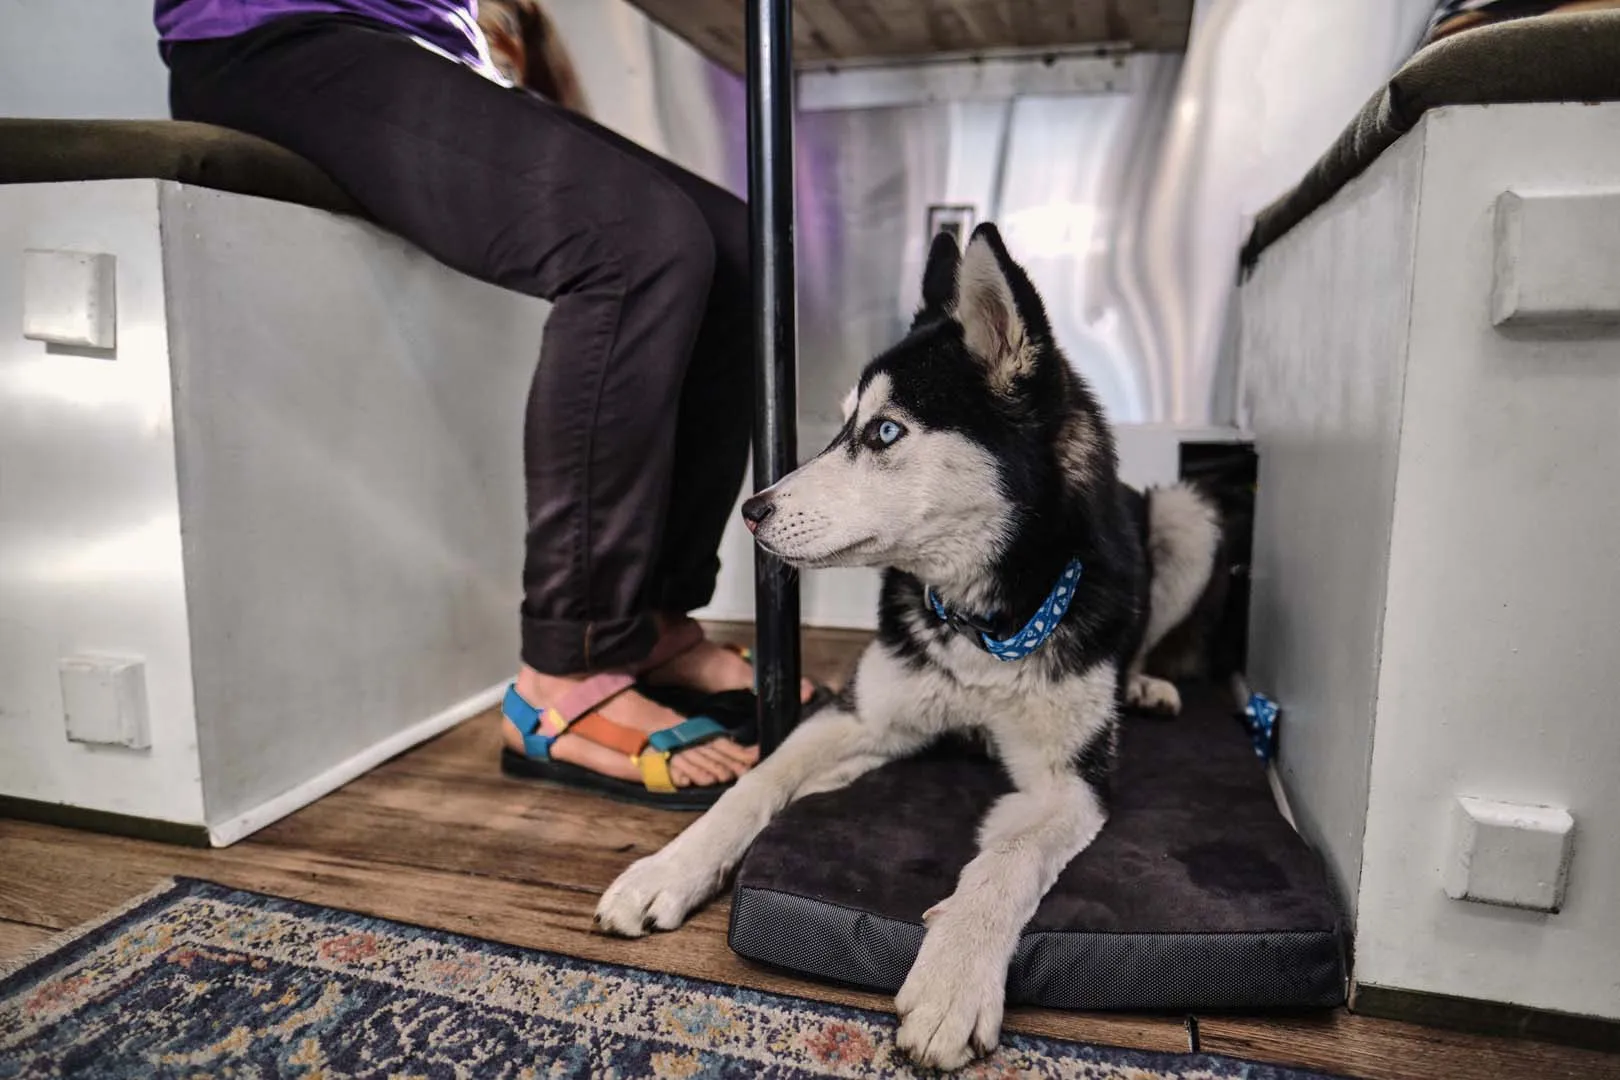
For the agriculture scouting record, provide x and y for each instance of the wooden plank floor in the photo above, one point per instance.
(438, 837)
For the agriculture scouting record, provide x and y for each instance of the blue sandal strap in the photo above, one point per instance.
(520, 712)
(687, 733)
(653, 761)
(526, 718)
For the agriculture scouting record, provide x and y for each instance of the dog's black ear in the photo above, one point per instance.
(1000, 312)
(939, 276)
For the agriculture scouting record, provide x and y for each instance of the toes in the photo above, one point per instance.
(724, 754)
(926, 1038)
(693, 769)
(719, 761)
(621, 914)
(948, 1048)
(742, 758)
(1150, 694)
(987, 1032)
(653, 894)
(666, 912)
(949, 1014)
(913, 1035)
(713, 763)
(948, 1057)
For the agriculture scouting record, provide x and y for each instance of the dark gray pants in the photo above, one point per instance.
(638, 421)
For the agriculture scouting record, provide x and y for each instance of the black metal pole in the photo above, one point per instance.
(770, 218)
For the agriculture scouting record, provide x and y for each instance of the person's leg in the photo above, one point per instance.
(713, 425)
(715, 416)
(511, 189)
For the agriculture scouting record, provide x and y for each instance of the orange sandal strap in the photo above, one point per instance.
(604, 732)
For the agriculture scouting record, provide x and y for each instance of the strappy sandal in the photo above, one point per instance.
(650, 753)
(737, 709)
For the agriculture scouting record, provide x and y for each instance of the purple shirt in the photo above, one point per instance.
(446, 26)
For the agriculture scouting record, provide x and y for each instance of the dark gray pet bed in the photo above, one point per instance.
(1197, 894)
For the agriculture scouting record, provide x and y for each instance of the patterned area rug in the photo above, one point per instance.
(201, 980)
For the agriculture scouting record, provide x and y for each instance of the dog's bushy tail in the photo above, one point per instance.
(1184, 534)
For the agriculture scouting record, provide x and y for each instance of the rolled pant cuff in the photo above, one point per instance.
(572, 648)
(685, 597)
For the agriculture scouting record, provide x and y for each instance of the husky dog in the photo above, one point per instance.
(1024, 585)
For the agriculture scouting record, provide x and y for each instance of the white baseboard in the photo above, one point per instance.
(251, 821)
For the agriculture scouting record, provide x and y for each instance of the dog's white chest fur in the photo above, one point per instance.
(1033, 722)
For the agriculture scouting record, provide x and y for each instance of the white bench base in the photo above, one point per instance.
(292, 492)
(1436, 596)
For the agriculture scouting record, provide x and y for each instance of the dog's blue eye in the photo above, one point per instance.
(888, 431)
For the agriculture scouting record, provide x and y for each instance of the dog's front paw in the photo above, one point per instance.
(655, 893)
(950, 1006)
(1153, 695)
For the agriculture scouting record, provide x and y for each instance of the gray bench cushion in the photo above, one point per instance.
(1565, 56)
(54, 151)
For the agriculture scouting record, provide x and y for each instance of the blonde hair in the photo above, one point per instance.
(528, 50)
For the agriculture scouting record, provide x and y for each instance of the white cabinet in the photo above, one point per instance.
(1431, 370)
(268, 534)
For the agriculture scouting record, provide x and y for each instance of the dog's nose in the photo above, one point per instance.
(755, 510)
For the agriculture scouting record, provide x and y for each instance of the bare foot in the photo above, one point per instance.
(710, 668)
(714, 762)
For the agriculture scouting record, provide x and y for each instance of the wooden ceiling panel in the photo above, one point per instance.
(828, 31)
